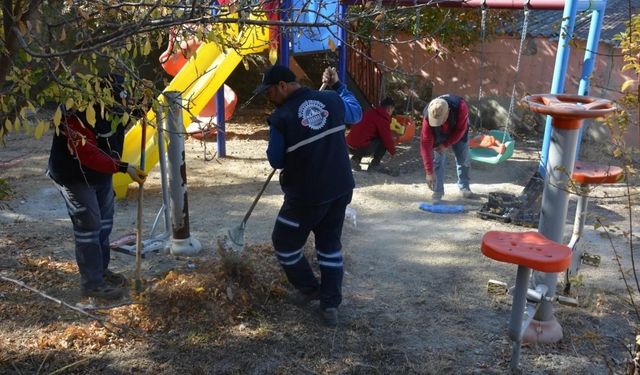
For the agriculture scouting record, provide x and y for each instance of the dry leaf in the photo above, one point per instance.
(69, 103)
(332, 45)
(91, 114)
(40, 129)
(57, 116)
(273, 56)
(628, 83)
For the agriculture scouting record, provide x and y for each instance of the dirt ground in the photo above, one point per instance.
(415, 299)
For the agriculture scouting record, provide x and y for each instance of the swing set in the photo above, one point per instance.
(496, 146)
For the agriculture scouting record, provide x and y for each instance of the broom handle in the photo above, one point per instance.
(255, 201)
(138, 280)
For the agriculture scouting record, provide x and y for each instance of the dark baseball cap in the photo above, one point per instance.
(273, 75)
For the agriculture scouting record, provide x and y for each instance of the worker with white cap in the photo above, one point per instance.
(445, 123)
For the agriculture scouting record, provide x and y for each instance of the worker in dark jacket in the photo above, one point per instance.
(372, 137)
(307, 141)
(82, 161)
(445, 123)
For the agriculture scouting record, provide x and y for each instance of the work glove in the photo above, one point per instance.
(136, 174)
(330, 77)
(430, 181)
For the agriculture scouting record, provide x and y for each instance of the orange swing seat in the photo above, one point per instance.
(407, 129)
(488, 141)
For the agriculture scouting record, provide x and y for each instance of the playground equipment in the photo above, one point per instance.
(174, 192)
(498, 145)
(198, 81)
(204, 126)
(586, 175)
(406, 128)
(529, 251)
(172, 61)
(523, 209)
(543, 251)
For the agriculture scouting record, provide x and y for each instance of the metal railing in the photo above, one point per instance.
(364, 71)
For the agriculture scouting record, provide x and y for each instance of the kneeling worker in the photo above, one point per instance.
(372, 137)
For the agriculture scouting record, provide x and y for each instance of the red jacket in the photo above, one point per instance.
(426, 137)
(82, 152)
(82, 143)
(375, 123)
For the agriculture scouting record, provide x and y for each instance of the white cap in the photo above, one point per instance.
(438, 111)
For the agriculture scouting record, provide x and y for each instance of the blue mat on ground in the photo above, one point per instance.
(441, 208)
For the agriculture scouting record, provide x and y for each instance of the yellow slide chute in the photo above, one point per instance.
(198, 81)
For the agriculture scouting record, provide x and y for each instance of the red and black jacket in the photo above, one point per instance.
(81, 152)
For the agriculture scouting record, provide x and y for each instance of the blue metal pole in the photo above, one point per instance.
(220, 136)
(220, 112)
(283, 55)
(589, 61)
(559, 72)
(342, 52)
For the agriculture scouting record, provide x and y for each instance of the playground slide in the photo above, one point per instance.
(198, 81)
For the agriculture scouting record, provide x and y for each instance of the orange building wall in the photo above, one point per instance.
(459, 72)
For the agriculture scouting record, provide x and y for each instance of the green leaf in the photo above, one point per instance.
(146, 49)
(159, 41)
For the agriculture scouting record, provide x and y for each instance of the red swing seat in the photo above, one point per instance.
(487, 141)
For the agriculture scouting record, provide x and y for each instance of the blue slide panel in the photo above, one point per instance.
(314, 39)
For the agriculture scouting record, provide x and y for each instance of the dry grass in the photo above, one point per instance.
(201, 303)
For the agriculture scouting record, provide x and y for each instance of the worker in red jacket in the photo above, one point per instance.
(372, 137)
(82, 161)
(445, 124)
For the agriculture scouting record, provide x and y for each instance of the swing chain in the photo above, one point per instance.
(483, 27)
(416, 35)
(525, 25)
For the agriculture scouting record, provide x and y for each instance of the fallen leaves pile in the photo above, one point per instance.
(216, 292)
(213, 293)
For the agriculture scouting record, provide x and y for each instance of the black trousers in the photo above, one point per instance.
(293, 226)
(375, 148)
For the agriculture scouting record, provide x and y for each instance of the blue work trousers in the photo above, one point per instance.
(463, 164)
(91, 209)
(292, 228)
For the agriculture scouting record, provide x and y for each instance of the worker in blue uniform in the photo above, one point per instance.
(307, 142)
